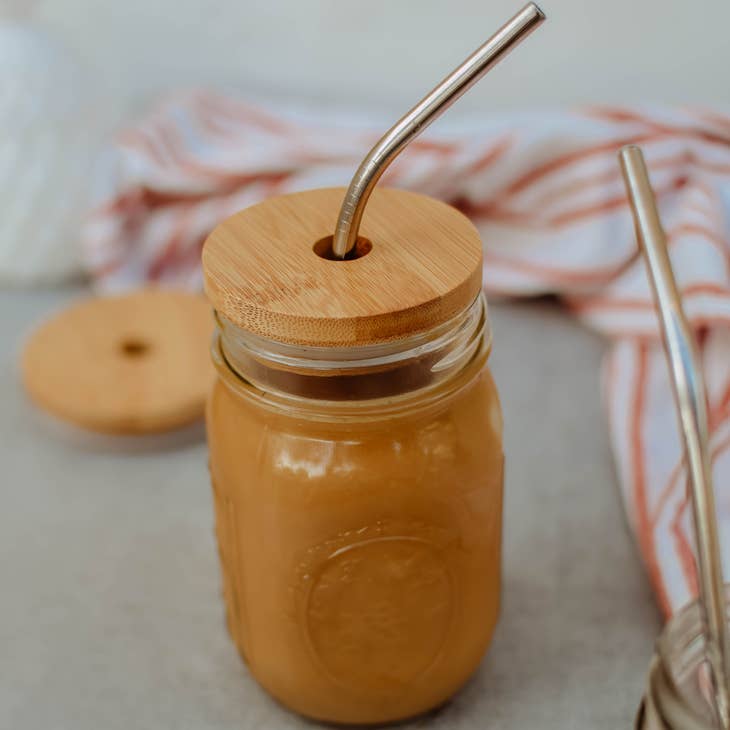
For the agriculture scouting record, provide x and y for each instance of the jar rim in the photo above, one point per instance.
(675, 684)
(419, 370)
(357, 357)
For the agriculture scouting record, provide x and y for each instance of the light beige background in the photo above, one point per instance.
(382, 52)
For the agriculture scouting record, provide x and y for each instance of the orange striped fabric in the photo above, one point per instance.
(546, 193)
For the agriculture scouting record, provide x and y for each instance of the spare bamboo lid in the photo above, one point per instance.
(418, 263)
(131, 364)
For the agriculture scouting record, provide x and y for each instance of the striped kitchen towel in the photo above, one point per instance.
(546, 193)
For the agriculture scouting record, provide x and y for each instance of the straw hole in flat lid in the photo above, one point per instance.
(418, 264)
(323, 248)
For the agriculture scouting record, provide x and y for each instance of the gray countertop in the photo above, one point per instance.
(110, 614)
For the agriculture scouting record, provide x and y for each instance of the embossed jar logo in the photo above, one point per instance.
(379, 604)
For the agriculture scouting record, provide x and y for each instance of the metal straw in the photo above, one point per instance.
(689, 394)
(417, 119)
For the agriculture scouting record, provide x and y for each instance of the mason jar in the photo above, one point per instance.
(357, 484)
(679, 690)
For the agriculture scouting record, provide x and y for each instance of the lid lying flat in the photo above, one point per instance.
(132, 364)
(263, 274)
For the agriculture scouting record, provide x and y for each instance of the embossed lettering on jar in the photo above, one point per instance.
(355, 443)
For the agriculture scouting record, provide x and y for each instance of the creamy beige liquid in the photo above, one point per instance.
(361, 560)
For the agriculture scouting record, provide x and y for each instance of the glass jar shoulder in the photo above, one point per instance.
(465, 426)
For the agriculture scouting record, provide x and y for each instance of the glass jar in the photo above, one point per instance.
(358, 486)
(678, 692)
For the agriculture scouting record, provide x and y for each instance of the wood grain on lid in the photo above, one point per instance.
(132, 364)
(262, 274)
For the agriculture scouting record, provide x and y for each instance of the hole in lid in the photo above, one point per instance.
(134, 348)
(323, 249)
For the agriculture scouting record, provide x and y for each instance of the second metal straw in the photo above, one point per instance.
(689, 393)
(457, 83)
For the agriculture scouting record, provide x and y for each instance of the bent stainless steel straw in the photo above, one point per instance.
(435, 103)
(689, 394)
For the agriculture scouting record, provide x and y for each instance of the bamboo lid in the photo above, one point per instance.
(131, 364)
(418, 263)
